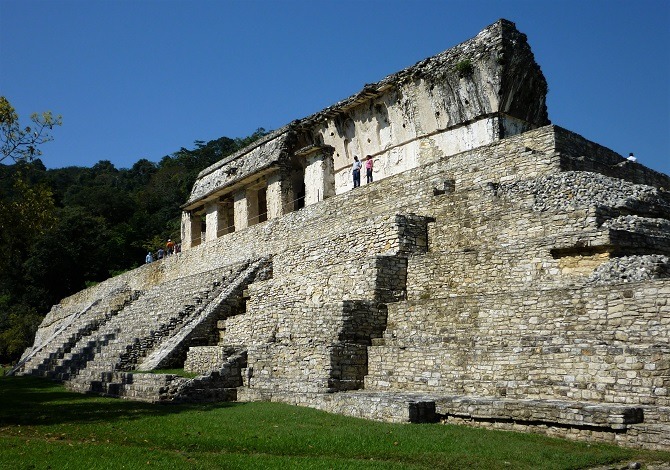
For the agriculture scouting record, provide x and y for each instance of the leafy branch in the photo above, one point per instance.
(23, 144)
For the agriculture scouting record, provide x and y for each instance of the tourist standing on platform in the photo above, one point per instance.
(149, 258)
(169, 247)
(356, 171)
(368, 169)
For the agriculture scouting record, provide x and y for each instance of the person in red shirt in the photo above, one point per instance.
(368, 168)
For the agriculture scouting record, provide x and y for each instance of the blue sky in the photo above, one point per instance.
(141, 79)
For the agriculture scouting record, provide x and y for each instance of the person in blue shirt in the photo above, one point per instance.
(356, 171)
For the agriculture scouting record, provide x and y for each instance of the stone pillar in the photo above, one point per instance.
(252, 206)
(190, 230)
(226, 216)
(319, 173)
(212, 220)
(246, 208)
(241, 217)
(279, 195)
(185, 230)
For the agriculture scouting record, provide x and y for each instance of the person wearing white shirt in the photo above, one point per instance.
(356, 171)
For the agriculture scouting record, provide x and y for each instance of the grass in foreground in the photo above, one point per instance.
(44, 426)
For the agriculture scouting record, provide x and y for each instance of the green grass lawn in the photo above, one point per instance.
(44, 426)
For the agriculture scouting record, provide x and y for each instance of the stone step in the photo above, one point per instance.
(569, 413)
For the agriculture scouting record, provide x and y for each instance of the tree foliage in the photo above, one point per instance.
(66, 228)
(23, 144)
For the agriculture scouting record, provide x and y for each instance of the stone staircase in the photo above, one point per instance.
(217, 385)
(94, 344)
(157, 318)
(45, 359)
(189, 330)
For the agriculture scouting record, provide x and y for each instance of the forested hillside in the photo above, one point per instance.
(63, 229)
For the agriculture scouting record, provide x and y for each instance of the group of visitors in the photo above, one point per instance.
(171, 248)
(356, 170)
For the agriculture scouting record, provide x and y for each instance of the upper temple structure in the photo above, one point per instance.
(471, 95)
(498, 271)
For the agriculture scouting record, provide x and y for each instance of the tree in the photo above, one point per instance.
(18, 324)
(22, 144)
(26, 213)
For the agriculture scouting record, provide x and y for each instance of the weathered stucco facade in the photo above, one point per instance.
(499, 271)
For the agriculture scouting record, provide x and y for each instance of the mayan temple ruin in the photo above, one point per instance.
(500, 271)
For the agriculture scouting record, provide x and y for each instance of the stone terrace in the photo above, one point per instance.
(472, 289)
(500, 306)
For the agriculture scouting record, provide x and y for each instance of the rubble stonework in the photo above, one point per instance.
(516, 279)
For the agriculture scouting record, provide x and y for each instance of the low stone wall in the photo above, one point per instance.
(164, 388)
(646, 435)
(204, 359)
(394, 408)
(584, 421)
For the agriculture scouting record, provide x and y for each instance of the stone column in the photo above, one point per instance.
(185, 230)
(190, 230)
(226, 216)
(319, 173)
(252, 206)
(212, 220)
(241, 217)
(246, 208)
(279, 195)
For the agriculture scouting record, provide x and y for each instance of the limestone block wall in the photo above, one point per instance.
(525, 157)
(513, 159)
(308, 328)
(601, 343)
(205, 359)
(499, 246)
(508, 313)
(322, 355)
(483, 253)
(582, 155)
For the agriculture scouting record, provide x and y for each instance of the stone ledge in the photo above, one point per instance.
(423, 408)
(388, 407)
(556, 412)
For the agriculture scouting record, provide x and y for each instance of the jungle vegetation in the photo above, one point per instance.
(64, 229)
